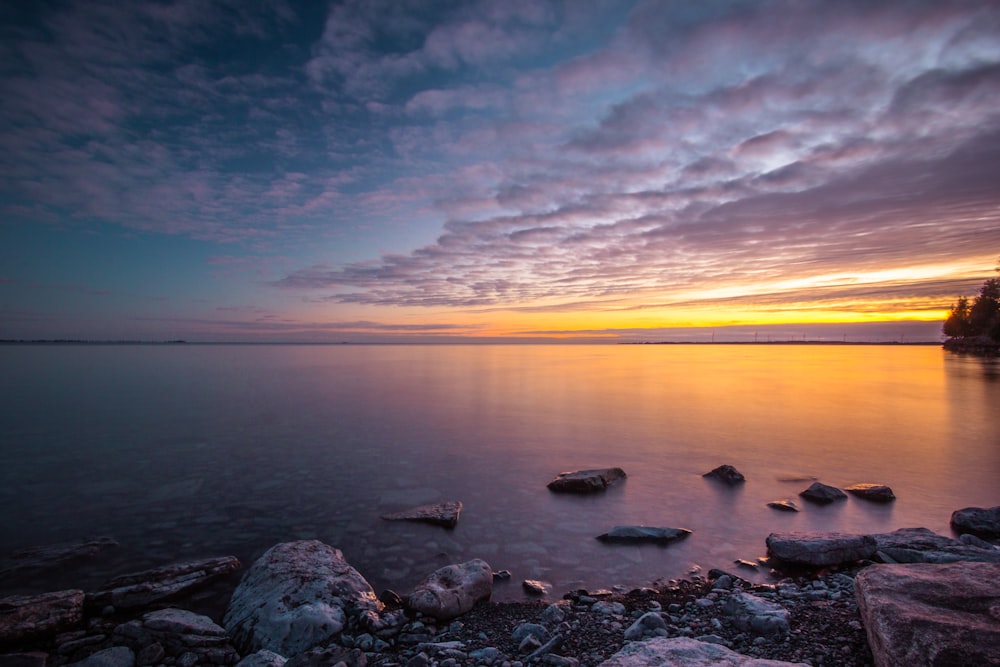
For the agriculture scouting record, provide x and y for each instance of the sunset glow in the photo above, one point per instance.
(369, 171)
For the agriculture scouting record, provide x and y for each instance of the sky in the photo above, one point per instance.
(396, 170)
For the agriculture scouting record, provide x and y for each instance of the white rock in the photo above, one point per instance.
(453, 590)
(755, 614)
(663, 652)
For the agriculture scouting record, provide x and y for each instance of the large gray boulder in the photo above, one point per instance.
(663, 652)
(586, 481)
(29, 616)
(755, 614)
(453, 590)
(920, 545)
(820, 549)
(297, 596)
(980, 521)
(929, 614)
(142, 589)
(638, 534)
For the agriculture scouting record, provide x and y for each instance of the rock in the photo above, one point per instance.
(142, 589)
(53, 555)
(525, 630)
(927, 614)
(440, 514)
(973, 541)
(29, 616)
(820, 549)
(116, 656)
(535, 587)
(262, 658)
(586, 481)
(633, 534)
(453, 590)
(823, 494)
(296, 596)
(980, 521)
(755, 614)
(151, 654)
(663, 652)
(26, 659)
(329, 657)
(608, 608)
(175, 633)
(879, 493)
(726, 474)
(650, 624)
(784, 505)
(920, 545)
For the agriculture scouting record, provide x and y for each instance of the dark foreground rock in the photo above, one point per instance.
(726, 474)
(142, 589)
(177, 634)
(661, 652)
(920, 545)
(29, 616)
(980, 521)
(586, 481)
(453, 590)
(643, 534)
(295, 597)
(926, 614)
(439, 514)
(823, 494)
(879, 493)
(820, 549)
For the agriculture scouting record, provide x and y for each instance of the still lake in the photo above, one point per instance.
(189, 451)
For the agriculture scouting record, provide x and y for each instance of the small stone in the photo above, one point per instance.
(586, 481)
(502, 575)
(535, 587)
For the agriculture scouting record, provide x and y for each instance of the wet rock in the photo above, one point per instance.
(928, 614)
(920, 545)
(25, 617)
(142, 589)
(784, 505)
(586, 481)
(535, 587)
(52, 556)
(296, 596)
(453, 590)
(650, 624)
(820, 549)
(980, 521)
(262, 658)
(660, 652)
(879, 493)
(637, 534)
(726, 474)
(116, 656)
(823, 494)
(755, 614)
(440, 514)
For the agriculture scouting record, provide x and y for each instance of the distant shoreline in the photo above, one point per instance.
(104, 343)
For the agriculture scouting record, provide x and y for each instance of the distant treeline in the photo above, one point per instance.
(978, 320)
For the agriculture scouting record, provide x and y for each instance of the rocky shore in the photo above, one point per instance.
(906, 597)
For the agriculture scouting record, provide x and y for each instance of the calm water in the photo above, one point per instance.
(191, 451)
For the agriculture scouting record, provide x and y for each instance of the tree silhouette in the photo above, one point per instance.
(981, 318)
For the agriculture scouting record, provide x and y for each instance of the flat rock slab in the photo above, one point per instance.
(823, 494)
(980, 521)
(142, 589)
(920, 545)
(28, 616)
(726, 474)
(586, 481)
(640, 534)
(879, 493)
(453, 590)
(440, 514)
(663, 652)
(928, 614)
(820, 549)
(53, 555)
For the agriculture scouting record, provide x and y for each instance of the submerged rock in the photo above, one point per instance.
(453, 590)
(926, 614)
(535, 587)
(586, 481)
(784, 505)
(297, 596)
(879, 493)
(823, 494)
(726, 474)
(440, 514)
(980, 521)
(820, 549)
(29, 616)
(661, 652)
(142, 589)
(635, 534)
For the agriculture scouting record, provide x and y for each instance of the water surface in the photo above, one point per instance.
(200, 450)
